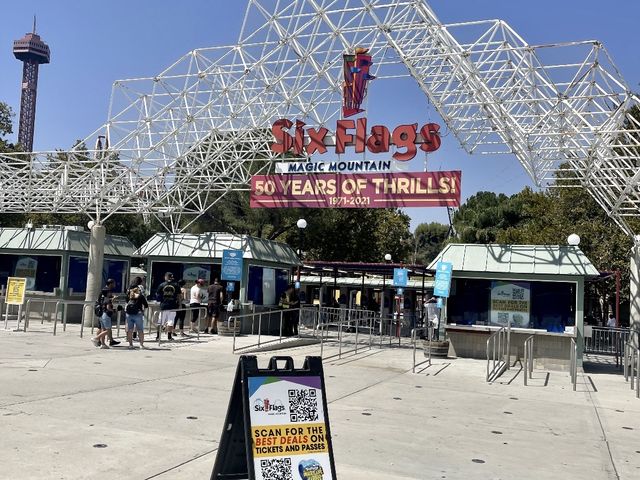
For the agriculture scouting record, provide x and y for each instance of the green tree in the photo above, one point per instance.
(485, 214)
(6, 128)
(428, 240)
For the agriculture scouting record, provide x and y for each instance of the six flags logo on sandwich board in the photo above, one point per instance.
(338, 189)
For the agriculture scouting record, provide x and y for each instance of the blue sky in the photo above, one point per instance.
(95, 43)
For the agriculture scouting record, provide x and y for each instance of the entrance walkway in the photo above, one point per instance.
(159, 413)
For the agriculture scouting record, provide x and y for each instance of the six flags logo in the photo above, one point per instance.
(356, 78)
(354, 132)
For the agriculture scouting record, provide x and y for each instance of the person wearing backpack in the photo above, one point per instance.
(104, 307)
(134, 312)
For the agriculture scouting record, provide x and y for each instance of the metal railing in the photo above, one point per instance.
(366, 323)
(631, 362)
(429, 337)
(263, 318)
(606, 341)
(498, 352)
(336, 325)
(573, 363)
(528, 358)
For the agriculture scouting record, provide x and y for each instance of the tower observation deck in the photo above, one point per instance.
(31, 51)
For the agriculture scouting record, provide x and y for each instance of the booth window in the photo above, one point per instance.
(78, 267)
(47, 270)
(158, 269)
(551, 304)
(266, 285)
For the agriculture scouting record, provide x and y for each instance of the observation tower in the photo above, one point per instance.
(31, 51)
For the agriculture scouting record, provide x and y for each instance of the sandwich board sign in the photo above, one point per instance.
(277, 424)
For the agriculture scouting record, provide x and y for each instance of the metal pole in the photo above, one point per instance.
(638, 376)
(508, 344)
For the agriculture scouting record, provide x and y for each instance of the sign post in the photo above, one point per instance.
(442, 286)
(231, 265)
(16, 289)
(400, 280)
(277, 423)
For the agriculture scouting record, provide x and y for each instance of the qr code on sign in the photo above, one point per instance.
(303, 405)
(276, 469)
(503, 317)
(518, 293)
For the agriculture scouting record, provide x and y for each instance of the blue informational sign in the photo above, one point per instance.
(400, 277)
(297, 285)
(400, 291)
(442, 282)
(231, 287)
(231, 265)
(439, 302)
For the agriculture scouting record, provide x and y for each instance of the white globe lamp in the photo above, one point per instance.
(573, 240)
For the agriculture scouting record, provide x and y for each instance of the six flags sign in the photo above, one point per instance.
(377, 190)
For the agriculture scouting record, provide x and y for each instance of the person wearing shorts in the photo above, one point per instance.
(168, 294)
(197, 296)
(134, 311)
(104, 326)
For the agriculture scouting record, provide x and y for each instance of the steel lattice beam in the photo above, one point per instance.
(177, 142)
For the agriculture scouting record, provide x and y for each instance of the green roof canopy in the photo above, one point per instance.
(518, 259)
(60, 239)
(210, 245)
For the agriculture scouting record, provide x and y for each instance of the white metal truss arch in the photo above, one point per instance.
(176, 143)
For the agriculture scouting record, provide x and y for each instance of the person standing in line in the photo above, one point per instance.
(134, 312)
(433, 316)
(197, 296)
(137, 283)
(294, 310)
(168, 294)
(215, 299)
(104, 325)
(611, 321)
(182, 313)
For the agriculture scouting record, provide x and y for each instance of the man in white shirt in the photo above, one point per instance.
(197, 297)
(611, 322)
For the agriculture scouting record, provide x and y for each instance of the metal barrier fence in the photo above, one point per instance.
(336, 325)
(528, 358)
(262, 319)
(606, 341)
(631, 362)
(414, 340)
(573, 363)
(364, 321)
(498, 350)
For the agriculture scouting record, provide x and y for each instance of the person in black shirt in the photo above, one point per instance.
(134, 311)
(216, 297)
(104, 329)
(168, 294)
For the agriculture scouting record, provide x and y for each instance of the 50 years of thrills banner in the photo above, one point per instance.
(375, 190)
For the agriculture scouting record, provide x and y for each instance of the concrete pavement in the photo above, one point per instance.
(71, 411)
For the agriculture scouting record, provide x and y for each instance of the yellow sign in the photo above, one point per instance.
(16, 288)
(300, 439)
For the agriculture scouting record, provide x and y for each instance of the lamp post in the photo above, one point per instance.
(387, 259)
(302, 224)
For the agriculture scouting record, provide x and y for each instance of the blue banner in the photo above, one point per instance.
(231, 265)
(442, 282)
(400, 277)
